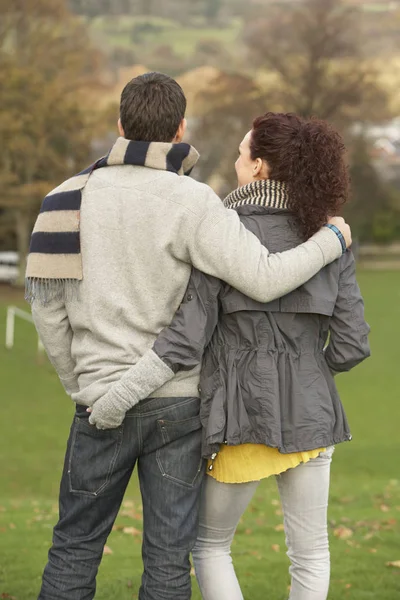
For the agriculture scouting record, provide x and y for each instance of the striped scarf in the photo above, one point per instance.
(263, 192)
(54, 267)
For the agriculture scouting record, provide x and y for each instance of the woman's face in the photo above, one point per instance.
(248, 170)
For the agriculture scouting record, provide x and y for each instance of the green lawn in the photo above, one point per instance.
(365, 492)
(126, 32)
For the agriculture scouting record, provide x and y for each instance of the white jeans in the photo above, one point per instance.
(304, 493)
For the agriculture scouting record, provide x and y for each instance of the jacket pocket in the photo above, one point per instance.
(93, 456)
(179, 459)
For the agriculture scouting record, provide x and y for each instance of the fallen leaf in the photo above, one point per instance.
(275, 548)
(107, 550)
(248, 531)
(373, 550)
(132, 514)
(138, 516)
(384, 508)
(275, 502)
(280, 527)
(394, 563)
(279, 512)
(131, 531)
(192, 572)
(12, 526)
(347, 586)
(128, 504)
(342, 532)
(389, 524)
(346, 499)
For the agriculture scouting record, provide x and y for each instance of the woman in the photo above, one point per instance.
(269, 401)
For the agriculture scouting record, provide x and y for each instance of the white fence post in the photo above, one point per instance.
(10, 326)
(12, 312)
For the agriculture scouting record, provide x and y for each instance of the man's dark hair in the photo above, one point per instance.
(152, 108)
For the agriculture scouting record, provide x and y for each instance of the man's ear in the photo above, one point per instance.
(121, 129)
(181, 132)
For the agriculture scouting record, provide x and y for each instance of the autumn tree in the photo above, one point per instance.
(227, 109)
(304, 57)
(47, 66)
(374, 206)
(315, 51)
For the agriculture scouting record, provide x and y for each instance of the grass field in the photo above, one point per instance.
(132, 32)
(365, 492)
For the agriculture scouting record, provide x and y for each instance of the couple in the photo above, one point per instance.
(143, 284)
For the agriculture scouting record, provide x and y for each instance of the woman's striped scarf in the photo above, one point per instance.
(263, 192)
(54, 267)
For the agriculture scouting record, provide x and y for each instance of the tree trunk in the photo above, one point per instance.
(22, 228)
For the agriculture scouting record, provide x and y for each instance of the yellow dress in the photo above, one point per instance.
(252, 462)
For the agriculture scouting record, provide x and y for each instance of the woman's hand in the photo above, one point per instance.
(341, 224)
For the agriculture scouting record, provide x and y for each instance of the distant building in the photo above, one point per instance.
(385, 141)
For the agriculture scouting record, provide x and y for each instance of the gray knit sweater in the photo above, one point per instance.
(141, 230)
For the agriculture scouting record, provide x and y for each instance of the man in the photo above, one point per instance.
(110, 260)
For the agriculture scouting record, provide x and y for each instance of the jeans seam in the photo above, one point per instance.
(71, 452)
(175, 479)
(140, 436)
(110, 469)
(143, 414)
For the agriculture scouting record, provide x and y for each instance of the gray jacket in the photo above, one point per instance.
(267, 374)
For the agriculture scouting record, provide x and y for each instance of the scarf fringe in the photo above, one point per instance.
(46, 290)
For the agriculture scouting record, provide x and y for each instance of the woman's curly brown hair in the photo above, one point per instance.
(309, 156)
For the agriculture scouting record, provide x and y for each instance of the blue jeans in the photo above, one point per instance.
(161, 435)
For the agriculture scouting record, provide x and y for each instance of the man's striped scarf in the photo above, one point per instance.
(54, 267)
(263, 192)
